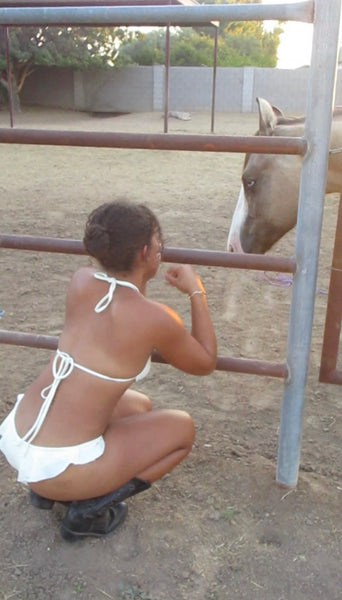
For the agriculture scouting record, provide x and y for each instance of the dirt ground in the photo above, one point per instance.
(218, 527)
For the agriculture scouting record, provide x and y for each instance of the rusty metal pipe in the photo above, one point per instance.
(94, 3)
(210, 258)
(331, 341)
(156, 141)
(42, 244)
(213, 87)
(9, 76)
(224, 363)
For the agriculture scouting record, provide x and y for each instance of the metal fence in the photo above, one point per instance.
(314, 147)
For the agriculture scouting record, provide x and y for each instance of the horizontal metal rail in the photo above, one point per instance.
(156, 141)
(32, 3)
(153, 15)
(210, 258)
(176, 255)
(334, 376)
(237, 365)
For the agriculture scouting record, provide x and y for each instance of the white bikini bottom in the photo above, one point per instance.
(36, 463)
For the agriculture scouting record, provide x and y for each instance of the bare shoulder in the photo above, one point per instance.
(81, 277)
(163, 314)
(166, 324)
(79, 286)
(83, 274)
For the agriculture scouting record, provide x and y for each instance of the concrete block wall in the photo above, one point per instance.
(190, 87)
(50, 87)
(141, 89)
(285, 88)
(122, 90)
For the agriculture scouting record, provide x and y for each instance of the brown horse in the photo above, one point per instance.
(268, 200)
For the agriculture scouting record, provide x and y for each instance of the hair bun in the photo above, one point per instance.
(97, 240)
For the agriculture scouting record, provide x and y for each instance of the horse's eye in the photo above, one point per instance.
(249, 183)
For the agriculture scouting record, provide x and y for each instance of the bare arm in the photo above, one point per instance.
(193, 352)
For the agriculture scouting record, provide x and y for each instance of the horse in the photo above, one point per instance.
(267, 205)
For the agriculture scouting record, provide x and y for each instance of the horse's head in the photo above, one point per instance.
(268, 200)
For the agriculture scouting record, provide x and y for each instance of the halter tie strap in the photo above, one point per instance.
(62, 366)
(113, 282)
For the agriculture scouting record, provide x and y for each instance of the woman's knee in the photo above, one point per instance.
(139, 402)
(185, 426)
(145, 403)
(130, 404)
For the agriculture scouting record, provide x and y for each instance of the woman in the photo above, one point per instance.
(79, 434)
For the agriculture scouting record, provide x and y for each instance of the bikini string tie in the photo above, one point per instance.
(62, 366)
(106, 300)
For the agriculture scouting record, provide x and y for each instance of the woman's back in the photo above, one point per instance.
(114, 343)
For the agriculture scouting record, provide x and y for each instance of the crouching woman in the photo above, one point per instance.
(79, 434)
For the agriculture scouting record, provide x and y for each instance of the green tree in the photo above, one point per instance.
(240, 43)
(142, 49)
(247, 43)
(76, 47)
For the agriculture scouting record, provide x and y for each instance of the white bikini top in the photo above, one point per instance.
(63, 364)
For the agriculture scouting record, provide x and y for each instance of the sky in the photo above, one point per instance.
(295, 43)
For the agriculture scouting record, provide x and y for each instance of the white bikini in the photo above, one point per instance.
(35, 463)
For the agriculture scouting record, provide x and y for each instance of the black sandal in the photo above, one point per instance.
(74, 527)
(40, 502)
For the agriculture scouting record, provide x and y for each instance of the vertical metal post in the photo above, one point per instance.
(320, 97)
(332, 330)
(9, 76)
(214, 82)
(167, 79)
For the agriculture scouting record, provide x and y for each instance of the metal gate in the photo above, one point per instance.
(314, 147)
(329, 372)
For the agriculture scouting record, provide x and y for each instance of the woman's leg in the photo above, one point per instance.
(131, 403)
(146, 446)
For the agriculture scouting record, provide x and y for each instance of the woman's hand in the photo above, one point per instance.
(184, 278)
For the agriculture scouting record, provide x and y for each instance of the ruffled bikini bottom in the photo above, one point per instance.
(36, 463)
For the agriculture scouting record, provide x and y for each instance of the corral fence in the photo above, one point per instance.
(329, 372)
(313, 147)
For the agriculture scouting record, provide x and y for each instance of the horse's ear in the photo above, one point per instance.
(267, 117)
(277, 111)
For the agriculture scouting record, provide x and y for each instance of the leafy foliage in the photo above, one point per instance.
(76, 47)
(240, 43)
(143, 49)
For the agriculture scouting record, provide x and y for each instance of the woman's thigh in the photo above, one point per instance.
(135, 443)
(132, 446)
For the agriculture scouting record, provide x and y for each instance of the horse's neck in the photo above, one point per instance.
(334, 173)
(295, 128)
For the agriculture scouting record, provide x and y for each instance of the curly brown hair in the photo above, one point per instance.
(116, 231)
